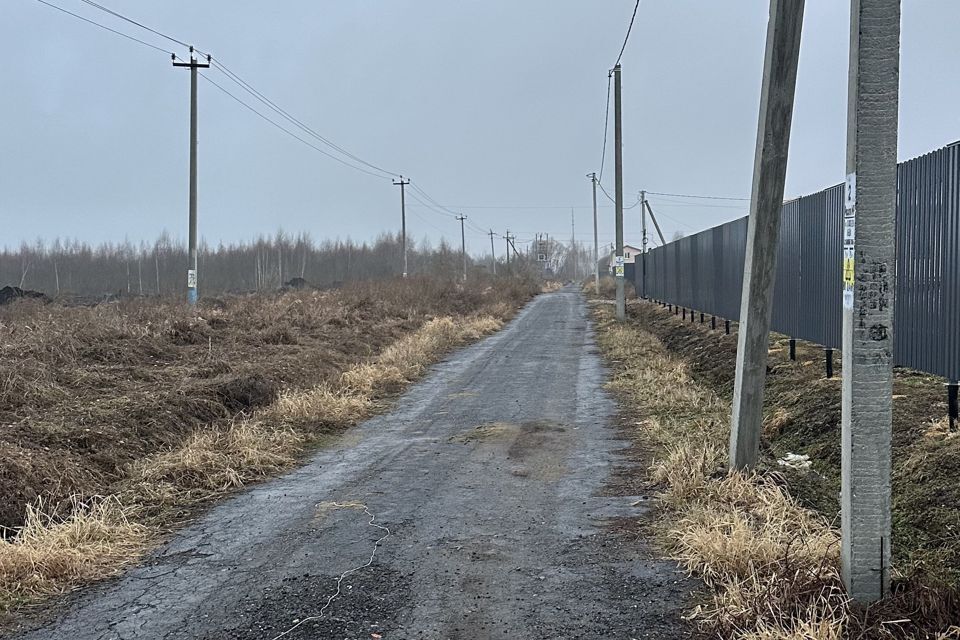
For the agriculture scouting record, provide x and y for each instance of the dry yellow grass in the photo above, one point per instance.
(772, 565)
(49, 554)
(211, 462)
(320, 406)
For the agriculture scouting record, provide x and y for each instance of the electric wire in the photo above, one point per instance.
(610, 198)
(284, 129)
(367, 168)
(629, 29)
(606, 122)
(701, 197)
(134, 22)
(246, 86)
(104, 27)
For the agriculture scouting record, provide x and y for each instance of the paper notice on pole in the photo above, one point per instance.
(618, 261)
(191, 278)
(618, 270)
(849, 257)
(850, 193)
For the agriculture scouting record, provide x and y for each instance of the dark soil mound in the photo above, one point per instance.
(12, 294)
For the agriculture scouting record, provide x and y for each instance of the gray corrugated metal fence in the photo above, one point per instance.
(704, 271)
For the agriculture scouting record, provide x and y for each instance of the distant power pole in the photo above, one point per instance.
(403, 220)
(763, 228)
(573, 245)
(618, 158)
(493, 255)
(463, 245)
(507, 239)
(869, 264)
(643, 249)
(596, 247)
(193, 65)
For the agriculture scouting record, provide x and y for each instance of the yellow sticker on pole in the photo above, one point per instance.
(848, 272)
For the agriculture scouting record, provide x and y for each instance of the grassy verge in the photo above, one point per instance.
(120, 420)
(771, 559)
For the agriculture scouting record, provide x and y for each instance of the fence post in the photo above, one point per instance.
(953, 406)
(763, 227)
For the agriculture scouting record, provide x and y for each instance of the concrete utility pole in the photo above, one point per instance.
(573, 245)
(193, 65)
(643, 251)
(618, 193)
(656, 225)
(868, 297)
(403, 220)
(763, 227)
(596, 246)
(463, 245)
(493, 255)
(507, 239)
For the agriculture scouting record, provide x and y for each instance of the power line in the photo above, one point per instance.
(134, 22)
(104, 27)
(285, 130)
(427, 201)
(614, 201)
(246, 86)
(688, 195)
(606, 122)
(737, 207)
(629, 29)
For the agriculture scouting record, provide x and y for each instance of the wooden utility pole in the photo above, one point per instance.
(493, 255)
(596, 246)
(618, 193)
(463, 245)
(869, 266)
(507, 239)
(403, 220)
(193, 65)
(763, 227)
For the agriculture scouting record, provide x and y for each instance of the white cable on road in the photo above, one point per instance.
(336, 594)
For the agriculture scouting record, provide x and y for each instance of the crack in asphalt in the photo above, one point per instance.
(495, 532)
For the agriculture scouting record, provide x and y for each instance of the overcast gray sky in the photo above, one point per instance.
(495, 108)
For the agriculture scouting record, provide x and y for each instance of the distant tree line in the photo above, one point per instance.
(78, 268)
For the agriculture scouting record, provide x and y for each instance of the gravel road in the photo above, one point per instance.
(492, 476)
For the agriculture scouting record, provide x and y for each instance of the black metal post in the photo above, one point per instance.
(829, 353)
(793, 349)
(727, 326)
(953, 407)
(701, 318)
(713, 322)
(684, 313)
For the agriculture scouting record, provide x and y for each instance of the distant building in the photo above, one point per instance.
(630, 254)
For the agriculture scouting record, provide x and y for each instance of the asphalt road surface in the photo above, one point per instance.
(492, 475)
